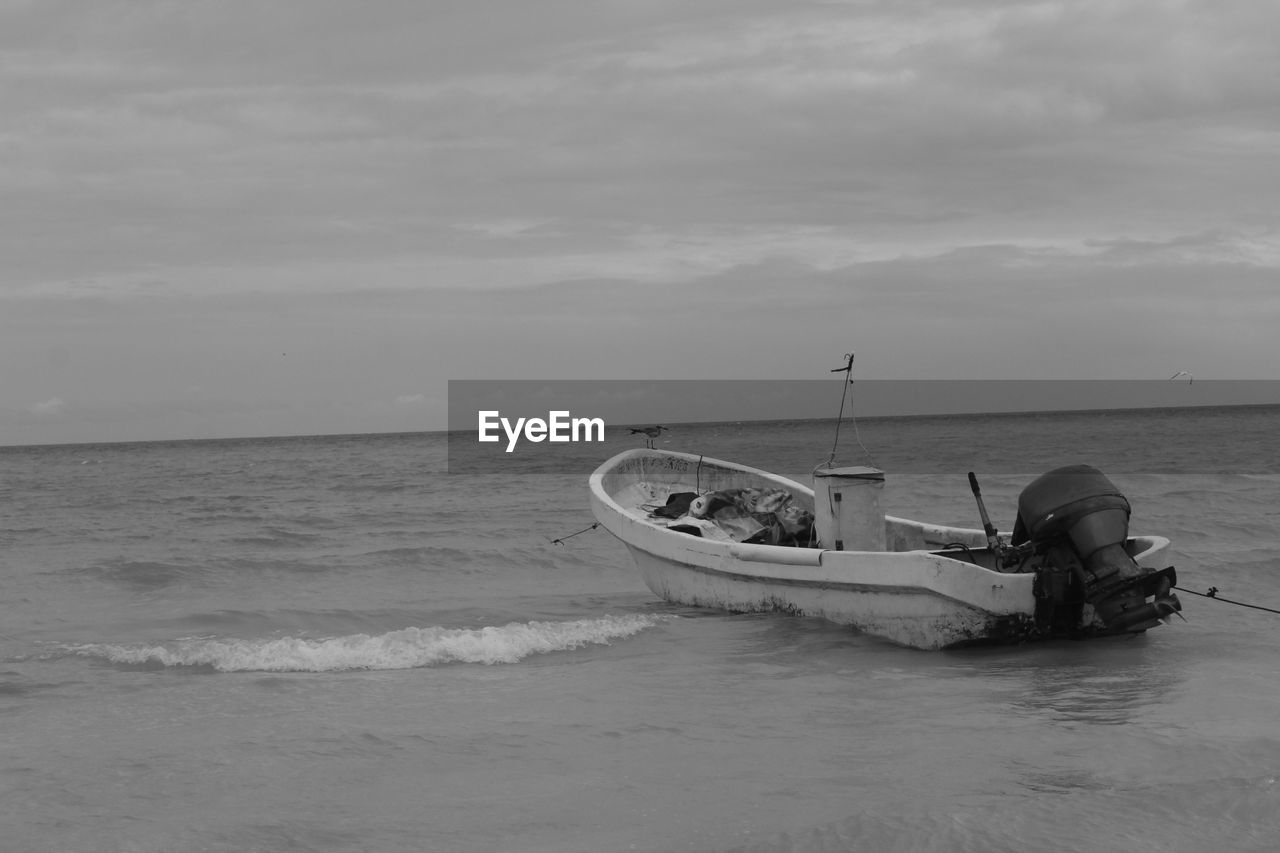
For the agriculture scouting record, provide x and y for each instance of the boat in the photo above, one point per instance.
(710, 533)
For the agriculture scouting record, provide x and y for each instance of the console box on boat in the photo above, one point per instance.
(711, 533)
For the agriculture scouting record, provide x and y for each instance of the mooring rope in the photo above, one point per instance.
(560, 541)
(1213, 593)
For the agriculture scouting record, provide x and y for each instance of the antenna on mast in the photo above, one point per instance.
(847, 370)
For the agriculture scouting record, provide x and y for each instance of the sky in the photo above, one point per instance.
(235, 218)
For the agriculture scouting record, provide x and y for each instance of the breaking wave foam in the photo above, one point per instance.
(407, 648)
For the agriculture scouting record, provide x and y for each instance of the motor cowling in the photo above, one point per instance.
(1079, 520)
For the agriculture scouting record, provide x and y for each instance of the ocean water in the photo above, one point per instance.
(333, 644)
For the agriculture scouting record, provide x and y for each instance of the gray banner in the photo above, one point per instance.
(568, 426)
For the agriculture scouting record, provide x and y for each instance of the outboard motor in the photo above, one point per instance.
(1079, 520)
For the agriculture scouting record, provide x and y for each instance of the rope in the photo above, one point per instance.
(1213, 593)
(560, 541)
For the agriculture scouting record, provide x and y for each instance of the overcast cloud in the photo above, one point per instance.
(243, 218)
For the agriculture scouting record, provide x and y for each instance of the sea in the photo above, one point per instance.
(351, 643)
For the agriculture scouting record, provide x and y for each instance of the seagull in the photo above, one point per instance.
(1190, 378)
(649, 433)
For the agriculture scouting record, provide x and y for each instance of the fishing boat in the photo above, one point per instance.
(711, 533)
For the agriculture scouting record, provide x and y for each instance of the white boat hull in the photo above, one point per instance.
(909, 595)
(905, 614)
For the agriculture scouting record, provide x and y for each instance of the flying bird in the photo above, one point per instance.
(1190, 378)
(649, 433)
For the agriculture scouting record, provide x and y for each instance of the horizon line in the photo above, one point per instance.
(851, 417)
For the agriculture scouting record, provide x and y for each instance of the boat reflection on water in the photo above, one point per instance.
(1113, 685)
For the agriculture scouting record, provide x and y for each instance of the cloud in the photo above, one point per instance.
(414, 192)
(727, 125)
(52, 406)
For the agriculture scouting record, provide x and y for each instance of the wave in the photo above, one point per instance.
(139, 575)
(407, 648)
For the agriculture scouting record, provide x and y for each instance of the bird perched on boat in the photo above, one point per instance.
(649, 433)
